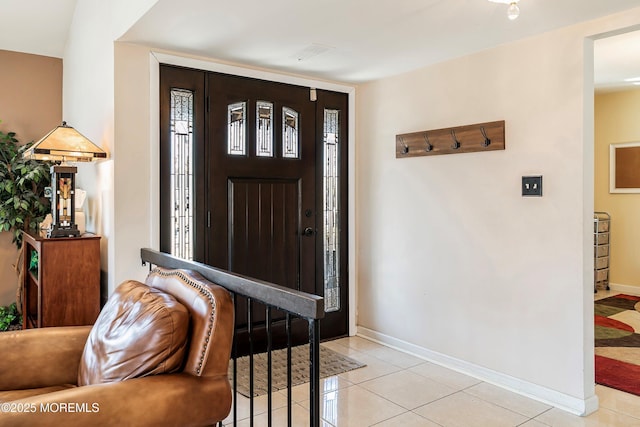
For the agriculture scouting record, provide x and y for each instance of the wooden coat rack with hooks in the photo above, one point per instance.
(461, 139)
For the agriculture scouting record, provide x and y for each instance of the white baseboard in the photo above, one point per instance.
(554, 398)
(625, 289)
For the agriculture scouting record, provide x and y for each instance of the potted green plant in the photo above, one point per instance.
(10, 318)
(23, 205)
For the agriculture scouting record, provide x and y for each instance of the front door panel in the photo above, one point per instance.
(262, 168)
(263, 228)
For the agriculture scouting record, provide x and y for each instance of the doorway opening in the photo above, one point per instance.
(616, 70)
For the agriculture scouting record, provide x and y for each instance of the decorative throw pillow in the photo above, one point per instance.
(140, 331)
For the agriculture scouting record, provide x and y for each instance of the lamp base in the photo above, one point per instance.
(67, 231)
(63, 182)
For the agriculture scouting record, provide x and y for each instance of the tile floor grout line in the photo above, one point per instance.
(542, 422)
(525, 422)
(380, 396)
(403, 407)
(428, 419)
(397, 404)
(502, 406)
(399, 415)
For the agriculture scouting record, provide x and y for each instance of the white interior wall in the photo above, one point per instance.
(134, 210)
(489, 282)
(87, 101)
(117, 202)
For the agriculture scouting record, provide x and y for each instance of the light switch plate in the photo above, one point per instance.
(532, 186)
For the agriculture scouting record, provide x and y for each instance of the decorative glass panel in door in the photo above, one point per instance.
(331, 210)
(181, 135)
(264, 129)
(237, 123)
(290, 145)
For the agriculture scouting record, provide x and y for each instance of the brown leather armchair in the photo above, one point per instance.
(39, 369)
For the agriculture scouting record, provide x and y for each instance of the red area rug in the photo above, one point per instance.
(617, 343)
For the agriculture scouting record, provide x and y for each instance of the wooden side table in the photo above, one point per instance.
(61, 285)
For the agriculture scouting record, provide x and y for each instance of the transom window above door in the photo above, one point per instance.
(237, 141)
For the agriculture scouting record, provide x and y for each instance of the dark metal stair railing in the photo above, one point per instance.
(293, 303)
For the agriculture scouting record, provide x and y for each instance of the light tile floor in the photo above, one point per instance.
(396, 389)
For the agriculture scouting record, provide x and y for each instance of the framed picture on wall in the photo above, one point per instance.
(624, 167)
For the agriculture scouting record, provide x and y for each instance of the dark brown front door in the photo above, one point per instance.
(263, 185)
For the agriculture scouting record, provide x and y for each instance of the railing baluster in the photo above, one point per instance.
(250, 332)
(234, 359)
(289, 393)
(269, 378)
(314, 371)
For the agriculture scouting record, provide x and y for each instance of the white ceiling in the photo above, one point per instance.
(27, 26)
(340, 40)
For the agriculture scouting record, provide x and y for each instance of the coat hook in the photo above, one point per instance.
(405, 147)
(456, 143)
(428, 147)
(487, 141)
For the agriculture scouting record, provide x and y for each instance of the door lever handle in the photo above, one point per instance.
(308, 232)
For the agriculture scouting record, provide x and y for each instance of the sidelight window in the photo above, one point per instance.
(181, 137)
(331, 215)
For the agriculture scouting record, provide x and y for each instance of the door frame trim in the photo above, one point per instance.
(159, 57)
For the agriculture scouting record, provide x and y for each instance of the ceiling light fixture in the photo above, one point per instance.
(513, 11)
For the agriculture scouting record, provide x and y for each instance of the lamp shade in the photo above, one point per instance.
(66, 144)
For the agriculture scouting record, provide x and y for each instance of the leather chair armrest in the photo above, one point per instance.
(41, 357)
(161, 400)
